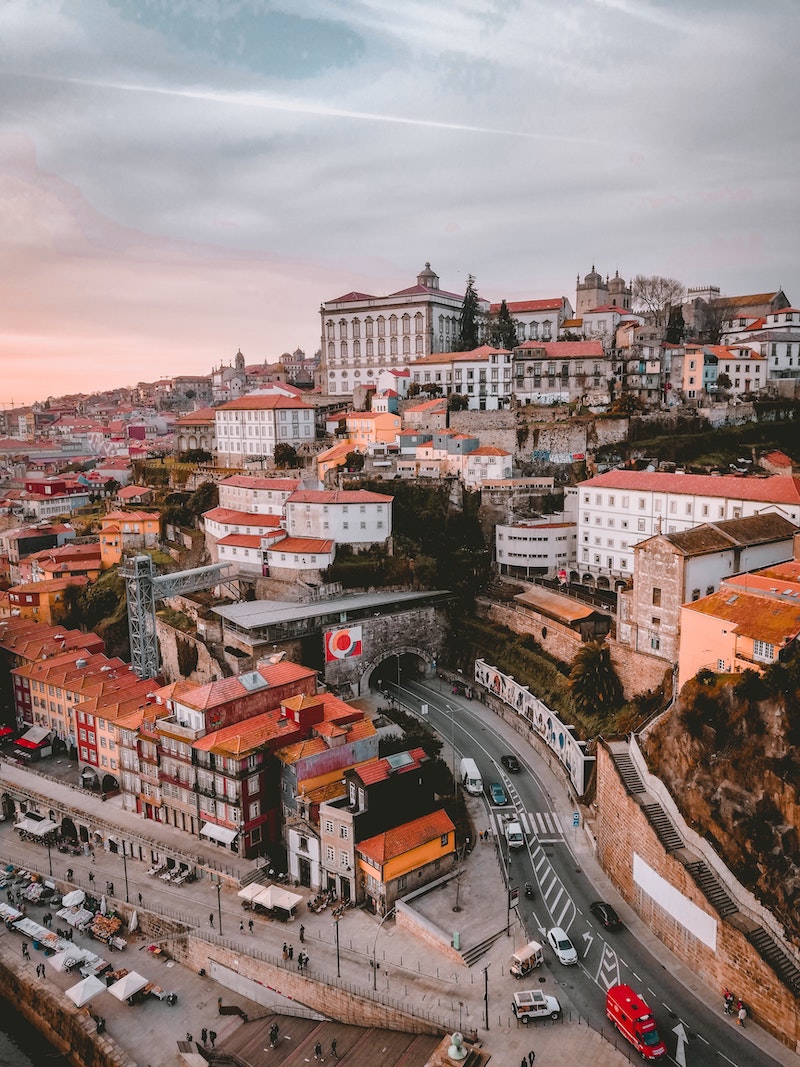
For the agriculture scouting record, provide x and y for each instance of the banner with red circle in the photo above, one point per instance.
(342, 644)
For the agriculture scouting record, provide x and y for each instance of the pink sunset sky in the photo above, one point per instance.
(178, 181)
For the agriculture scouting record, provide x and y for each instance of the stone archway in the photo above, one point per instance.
(390, 658)
(9, 806)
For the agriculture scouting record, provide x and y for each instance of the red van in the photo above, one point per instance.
(634, 1020)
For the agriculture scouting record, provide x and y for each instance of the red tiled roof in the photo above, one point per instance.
(245, 481)
(518, 306)
(309, 545)
(564, 349)
(488, 450)
(229, 517)
(759, 617)
(241, 540)
(777, 489)
(352, 297)
(211, 694)
(425, 290)
(263, 402)
(337, 496)
(402, 839)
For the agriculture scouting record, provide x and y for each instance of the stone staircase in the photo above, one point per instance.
(664, 827)
(709, 884)
(771, 952)
(627, 772)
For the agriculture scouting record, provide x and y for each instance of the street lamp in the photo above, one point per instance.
(125, 868)
(388, 915)
(219, 904)
(49, 858)
(338, 964)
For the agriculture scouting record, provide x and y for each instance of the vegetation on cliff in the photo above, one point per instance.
(729, 751)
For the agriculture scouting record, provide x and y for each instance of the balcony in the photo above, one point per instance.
(173, 728)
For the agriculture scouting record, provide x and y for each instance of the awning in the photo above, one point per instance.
(218, 833)
(34, 737)
(83, 992)
(250, 892)
(26, 825)
(127, 985)
(39, 829)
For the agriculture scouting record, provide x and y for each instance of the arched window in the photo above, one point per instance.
(393, 346)
(369, 327)
(329, 329)
(343, 351)
(406, 323)
(381, 347)
(331, 352)
(356, 350)
(419, 345)
(406, 346)
(369, 347)
(419, 322)
(342, 328)
(393, 324)
(381, 326)
(356, 327)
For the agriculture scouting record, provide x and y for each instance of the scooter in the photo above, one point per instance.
(529, 891)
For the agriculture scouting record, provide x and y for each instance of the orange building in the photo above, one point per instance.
(127, 531)
(43, 601)
(403, 859)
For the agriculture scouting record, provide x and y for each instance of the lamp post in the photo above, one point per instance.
(338, 964)
(125, 868)
(219, 904)
(388, 915)
(49, 858)
(486, 996)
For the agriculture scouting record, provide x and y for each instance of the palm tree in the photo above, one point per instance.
(595, 684)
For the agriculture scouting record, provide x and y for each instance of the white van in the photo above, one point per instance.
(514, 834)
(470, 777)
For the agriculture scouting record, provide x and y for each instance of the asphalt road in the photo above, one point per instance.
(695, 1035)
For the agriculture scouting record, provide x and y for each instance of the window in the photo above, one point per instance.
(254, 810)
(656, 597)
(330, 855)
(329, 826)
(640, 525)
(763, 651)
(343, 859)
(344, 831)
(695, 594)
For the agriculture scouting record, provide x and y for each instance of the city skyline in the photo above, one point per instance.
(179, 184)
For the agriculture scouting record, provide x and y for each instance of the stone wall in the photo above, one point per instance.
(207, 669)
(622, 830)
(69, 1029)
(637, 671)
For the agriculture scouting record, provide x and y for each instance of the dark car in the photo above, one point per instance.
(511, 763)
(605, 915)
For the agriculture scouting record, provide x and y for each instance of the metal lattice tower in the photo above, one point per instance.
(144, 588)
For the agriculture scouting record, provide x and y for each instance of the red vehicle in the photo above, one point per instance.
(634, 1020)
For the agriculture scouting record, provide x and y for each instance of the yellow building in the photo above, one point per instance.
(365, 428)
(43, 601)
(332, 458)
(403, 859)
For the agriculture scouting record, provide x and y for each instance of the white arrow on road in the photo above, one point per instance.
(680, 1051)
(588, 938)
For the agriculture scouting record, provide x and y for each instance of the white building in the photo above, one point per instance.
(778, 340)
(298, 557)
(619, 509)
(363, 335)
(483, 375)
(250, 427)
(536, 547)
(351, 517)
(485, 464)
(262, 496)
(558, 372)
(537, 320)
(222, 524)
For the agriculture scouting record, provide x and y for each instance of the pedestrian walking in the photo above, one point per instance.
(531, 1058)
(189, 1036)
(285, 952)
(25, 954)
(273, 1035)
(250, 925)
(318, 1051)
(302, 934)
(334, 1053)
(204, 1035)
(140, 900)
(212, 1037)
(91, 876)
(741, 1014)
(291, 952)
(211, 920)
(241, 926)
(70, 873)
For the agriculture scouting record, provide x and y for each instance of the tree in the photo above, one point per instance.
(469, 335)
(676, 327)
(285, 455)
(723, 381)
(709, 319)
(595, 684)
(655, 296)
(457, 402)
(502, 331)
(354, 461)
(195, 455)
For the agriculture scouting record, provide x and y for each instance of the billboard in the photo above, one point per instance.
(344, 643)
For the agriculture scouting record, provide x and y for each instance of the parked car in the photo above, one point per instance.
(498, 794)
(562, 946)
(534, 1004)
(605, 915)
(511, 764)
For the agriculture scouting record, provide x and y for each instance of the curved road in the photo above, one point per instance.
(695, 1035)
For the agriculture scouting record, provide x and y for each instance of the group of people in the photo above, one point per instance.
(318, 1050)
(734, 1007)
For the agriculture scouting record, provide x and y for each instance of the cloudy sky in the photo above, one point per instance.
(183, 178)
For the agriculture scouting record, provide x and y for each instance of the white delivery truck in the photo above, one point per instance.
(471, 777)
(514, 834)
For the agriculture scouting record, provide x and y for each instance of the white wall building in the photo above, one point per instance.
(298, 557)
(263, 496)
(251, 426)
(483, 375)
(537, 320)
(536, 547)
(352, 517)
(485, 464)
(619, 509)
(363, 335)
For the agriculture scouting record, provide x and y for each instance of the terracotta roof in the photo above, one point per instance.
(244, 481)
(744, 301)
(557, 606)
(211, 694)
(759, 617)
(566, 349)
(381, 769)
(227, 516)
(518, 306)
(393, 843)
(474, 355)
(428, 405)
(263, 402)
(352, 297)
(718, 536)
(488, 450)
(309, 545)
(337, 496)
(235, 540)
(776, 489)
(131, 516)
(424, 290)
(51, 585)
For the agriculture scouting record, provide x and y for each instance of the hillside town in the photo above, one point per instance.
(213, 611)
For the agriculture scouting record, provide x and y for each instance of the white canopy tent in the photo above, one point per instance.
(83, 992)
(275, 896)
(224, 834)
(63, 961)
(71, 900)
(250, 892)
(131, 983)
